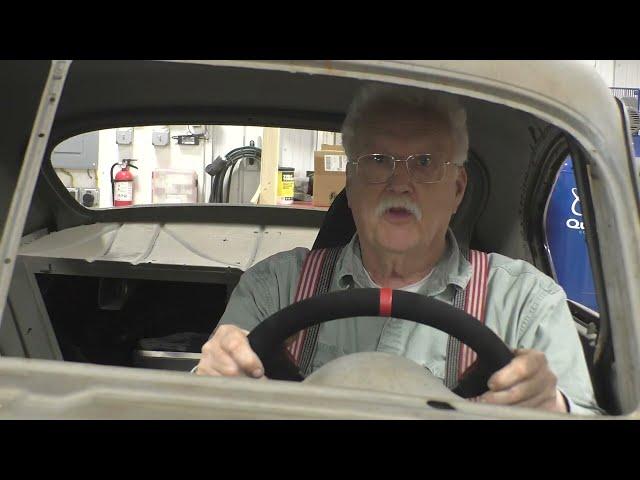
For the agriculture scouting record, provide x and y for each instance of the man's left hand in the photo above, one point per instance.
(527, 381)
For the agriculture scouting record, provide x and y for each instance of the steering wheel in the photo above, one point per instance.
(267, 339)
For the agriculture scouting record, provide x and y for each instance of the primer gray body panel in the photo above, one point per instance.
(220, 246)
(46, 390)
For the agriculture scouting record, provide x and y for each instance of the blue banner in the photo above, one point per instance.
(566, 240)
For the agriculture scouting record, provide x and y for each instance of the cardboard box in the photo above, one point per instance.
(332, 147)
(329, 177)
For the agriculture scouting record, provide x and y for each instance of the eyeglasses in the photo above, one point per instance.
(422, 167)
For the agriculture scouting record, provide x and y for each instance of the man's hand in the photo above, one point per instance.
(526, 381)
(227, 353)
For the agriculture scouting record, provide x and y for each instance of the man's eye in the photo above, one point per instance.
(379, 158)
(423, 161)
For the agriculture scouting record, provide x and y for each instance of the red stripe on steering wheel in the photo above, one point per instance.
(386, 298)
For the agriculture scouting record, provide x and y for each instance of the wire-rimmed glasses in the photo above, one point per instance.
(422, 167)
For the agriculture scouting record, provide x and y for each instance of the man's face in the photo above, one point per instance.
(401, 133)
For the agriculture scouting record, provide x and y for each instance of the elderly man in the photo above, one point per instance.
(405, 180)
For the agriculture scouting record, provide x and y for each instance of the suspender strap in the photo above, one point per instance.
(315, 279)
(453, 346)
(459, 356)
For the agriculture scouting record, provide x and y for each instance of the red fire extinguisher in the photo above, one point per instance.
(122, 184)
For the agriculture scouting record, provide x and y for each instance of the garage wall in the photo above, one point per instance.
(626, 73)
(296, 150)
(149, 157)
(618, 73)
(193, 158)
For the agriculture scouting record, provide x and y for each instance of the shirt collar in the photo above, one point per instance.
(451, 269)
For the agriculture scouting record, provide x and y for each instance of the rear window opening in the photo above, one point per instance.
(199, 164)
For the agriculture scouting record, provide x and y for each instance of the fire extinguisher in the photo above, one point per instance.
(122, 184)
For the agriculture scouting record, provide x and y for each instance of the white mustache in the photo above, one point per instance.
(398, 202)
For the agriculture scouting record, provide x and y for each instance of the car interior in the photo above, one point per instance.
(108, 309)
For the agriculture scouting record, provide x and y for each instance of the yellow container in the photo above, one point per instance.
(285, 185)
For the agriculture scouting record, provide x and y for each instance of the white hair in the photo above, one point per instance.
(427, 101)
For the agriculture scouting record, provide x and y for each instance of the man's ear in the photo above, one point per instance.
(461, 186)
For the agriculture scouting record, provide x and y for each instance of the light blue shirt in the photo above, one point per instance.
(525, 308)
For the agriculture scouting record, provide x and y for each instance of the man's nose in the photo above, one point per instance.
(401, 178)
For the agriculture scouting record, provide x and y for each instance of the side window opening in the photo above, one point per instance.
(565, 239)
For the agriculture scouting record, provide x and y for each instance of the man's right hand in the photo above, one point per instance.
(227, 353)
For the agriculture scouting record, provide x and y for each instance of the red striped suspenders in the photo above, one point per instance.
(474, 304)
(315, 279)
(306, 288)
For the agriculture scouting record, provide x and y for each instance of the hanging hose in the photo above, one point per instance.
(251, 153)
(220, 166)
(214, 169)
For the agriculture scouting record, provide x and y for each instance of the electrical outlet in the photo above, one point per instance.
(89, 197)
(197, 129)
(74, 192)
(124, 136)
(160, 137)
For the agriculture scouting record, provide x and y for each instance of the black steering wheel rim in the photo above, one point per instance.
(267, 339)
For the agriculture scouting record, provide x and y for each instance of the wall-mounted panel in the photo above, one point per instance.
(79, 152)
